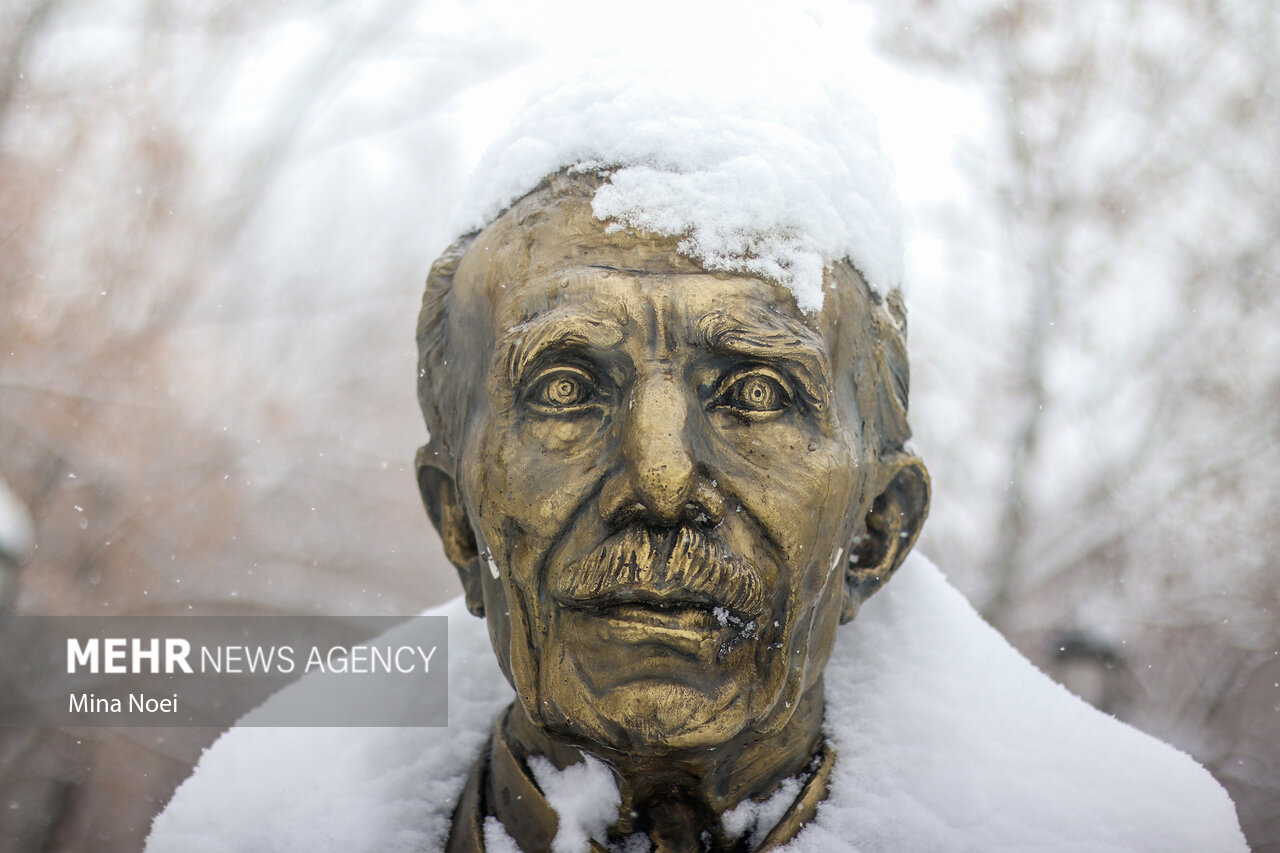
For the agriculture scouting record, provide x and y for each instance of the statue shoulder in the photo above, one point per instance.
(258, 790)
(949, 739)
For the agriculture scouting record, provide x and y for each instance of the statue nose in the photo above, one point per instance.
(660, 478)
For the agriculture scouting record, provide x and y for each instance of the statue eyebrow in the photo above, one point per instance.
(771, 338)
(528, 342)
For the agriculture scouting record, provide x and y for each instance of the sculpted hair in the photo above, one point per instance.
(883, 386)
(439, 395)
(881, 383)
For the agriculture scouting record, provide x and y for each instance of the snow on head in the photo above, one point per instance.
(757, 171)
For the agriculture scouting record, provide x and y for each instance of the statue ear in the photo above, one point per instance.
(443, 501)
(891, 528)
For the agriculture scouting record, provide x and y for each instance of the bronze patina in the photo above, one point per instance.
(664, 488)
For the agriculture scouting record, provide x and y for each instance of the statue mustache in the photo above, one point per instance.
(682, 566)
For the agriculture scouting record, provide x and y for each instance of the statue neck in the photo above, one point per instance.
(675, 798)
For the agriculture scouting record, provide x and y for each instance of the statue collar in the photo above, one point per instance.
(501, 795)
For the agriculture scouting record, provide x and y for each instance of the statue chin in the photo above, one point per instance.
(650, 690)
(644, 718)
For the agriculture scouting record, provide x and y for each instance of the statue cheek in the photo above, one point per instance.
(542, 470)
(570, 439)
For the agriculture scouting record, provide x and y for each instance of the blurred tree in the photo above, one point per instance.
(1116, 478)
(90, 162)
(167, 460)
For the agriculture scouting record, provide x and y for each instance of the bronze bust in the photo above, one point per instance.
(664, 488)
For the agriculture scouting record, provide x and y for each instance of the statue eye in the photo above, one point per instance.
(562, 388)
(757, 391)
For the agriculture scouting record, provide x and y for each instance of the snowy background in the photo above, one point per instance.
(217, 219)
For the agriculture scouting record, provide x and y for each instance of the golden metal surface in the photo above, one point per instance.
(664, 488)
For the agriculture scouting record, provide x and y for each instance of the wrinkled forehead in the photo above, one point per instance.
(537, 255)
(518, 265)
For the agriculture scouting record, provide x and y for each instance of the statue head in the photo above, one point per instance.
(664, 487)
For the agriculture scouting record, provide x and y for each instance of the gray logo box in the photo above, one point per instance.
(220, 670)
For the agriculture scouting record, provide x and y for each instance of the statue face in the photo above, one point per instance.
(663, 471)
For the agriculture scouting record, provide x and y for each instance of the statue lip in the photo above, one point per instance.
(690, 630)
(669, 600)
(687, 622)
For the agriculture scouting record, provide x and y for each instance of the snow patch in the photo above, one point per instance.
(585, 797)
(757, 818)
(17, 531)
(496, 839)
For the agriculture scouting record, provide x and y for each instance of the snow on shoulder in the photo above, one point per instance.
(945, 737)
(755, 170)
